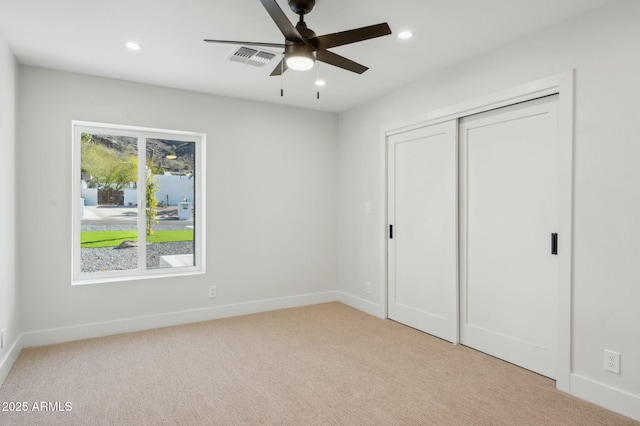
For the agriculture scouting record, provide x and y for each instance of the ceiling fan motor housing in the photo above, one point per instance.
(300, 50)
(301, 7)
(305, 31)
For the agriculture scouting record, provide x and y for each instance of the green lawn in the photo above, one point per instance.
(97, 239)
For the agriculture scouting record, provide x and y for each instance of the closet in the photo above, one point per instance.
(473, 231)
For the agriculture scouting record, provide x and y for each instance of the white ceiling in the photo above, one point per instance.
(88, 36)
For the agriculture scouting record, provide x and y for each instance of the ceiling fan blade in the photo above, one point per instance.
(351, 36)
(286, 27)
(340, 61)
(280, 68)
(247, 43)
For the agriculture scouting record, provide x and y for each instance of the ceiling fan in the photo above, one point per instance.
(302, 47)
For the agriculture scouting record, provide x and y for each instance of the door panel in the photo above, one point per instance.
(423, 211)
(509, 209)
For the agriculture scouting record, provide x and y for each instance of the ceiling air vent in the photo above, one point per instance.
(249, 56)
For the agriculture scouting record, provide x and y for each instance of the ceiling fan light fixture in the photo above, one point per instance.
(300, 63)
(299, 57)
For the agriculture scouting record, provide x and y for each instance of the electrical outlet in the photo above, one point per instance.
(212, 291)
(612, 361)
(367, 287)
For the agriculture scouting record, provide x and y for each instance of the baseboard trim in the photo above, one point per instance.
(129, 325)
(6, 363)
(361, 304)
(606, 396)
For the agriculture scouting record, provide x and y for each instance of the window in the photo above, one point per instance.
(138, 202)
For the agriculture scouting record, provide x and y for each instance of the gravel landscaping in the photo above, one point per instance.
(120, 259)
(114, 259)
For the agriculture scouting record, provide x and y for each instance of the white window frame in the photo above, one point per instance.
(142, 134)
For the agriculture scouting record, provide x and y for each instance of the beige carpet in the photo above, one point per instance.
(323, 364)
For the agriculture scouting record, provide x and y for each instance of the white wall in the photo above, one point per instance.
(130, 196)
(271, 206)
(174, 189)
(9, 291)
(603, 48)
(90, 196)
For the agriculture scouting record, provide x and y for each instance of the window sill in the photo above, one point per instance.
(104, 279)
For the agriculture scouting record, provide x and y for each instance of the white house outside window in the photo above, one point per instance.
(138, 202)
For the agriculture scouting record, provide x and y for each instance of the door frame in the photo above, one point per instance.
(563, 85)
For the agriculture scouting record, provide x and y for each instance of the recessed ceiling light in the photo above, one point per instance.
(133, 45)
(321, 83)
(405, 35)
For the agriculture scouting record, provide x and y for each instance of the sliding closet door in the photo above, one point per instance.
(509, 213)
(422, 211)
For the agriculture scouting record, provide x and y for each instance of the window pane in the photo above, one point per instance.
(170, 192)
(109, 176)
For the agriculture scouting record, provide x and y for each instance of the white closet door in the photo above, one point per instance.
(509, 210)
(422, 282)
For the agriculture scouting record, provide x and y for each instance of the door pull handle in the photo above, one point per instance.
(554, 243)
